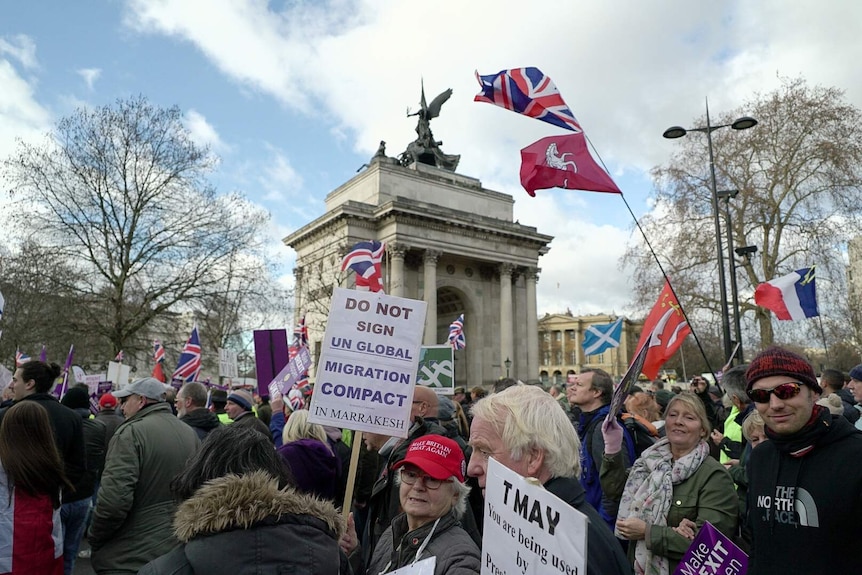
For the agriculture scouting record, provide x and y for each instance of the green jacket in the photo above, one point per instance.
(132, 521)
(708, 495)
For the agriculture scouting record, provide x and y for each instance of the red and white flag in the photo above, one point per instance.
(563, 162)
(664, 330)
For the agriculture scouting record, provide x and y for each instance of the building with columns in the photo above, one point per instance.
(449, 242)
(561, 338)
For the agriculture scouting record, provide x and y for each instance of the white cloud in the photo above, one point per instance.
(22, 48)
(202, 132)
(356, 65)
(90, 75)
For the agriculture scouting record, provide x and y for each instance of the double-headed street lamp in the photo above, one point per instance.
(673, 132)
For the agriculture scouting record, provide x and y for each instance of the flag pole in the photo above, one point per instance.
(823, 335)
(655, 257)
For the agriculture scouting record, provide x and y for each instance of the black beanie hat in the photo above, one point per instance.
(779, 361)
(76, 398)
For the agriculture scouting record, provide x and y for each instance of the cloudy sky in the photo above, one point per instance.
(295, 95)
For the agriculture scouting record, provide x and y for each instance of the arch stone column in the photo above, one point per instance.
(297, 279)
(396, 254)
(430, 295)
(532, 277)
(506, 335)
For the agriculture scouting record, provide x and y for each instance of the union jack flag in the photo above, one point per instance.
(456, 333)
(158, 351)
(364, 258)
(120, 356)
(530, 92)
(21, 358)
(189, 365)
(300, 337)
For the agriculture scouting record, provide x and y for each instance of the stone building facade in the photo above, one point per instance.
(561, 351)
(449, 242)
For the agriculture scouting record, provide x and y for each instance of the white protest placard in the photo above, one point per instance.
(368, 359)
(424, 567)
(529, 530)
(227, 366)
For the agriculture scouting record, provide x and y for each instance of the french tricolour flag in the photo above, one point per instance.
(790, 297)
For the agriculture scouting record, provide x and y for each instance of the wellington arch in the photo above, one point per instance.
(450, 242)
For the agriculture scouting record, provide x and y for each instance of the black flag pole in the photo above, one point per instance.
(657, 261)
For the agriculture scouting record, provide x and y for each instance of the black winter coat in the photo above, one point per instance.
(803, 511)
(244, 525)
(605, 555)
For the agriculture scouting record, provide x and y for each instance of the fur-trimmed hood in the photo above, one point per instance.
(240, 501)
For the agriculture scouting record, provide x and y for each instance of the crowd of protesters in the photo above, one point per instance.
(191, 480)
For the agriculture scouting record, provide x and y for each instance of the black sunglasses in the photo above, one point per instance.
(783, 391)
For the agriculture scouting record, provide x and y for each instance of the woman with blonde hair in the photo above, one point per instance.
(31, 478)
(670, 490)
(305, 449)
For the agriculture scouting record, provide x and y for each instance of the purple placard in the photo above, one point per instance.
(291, 372)
(712, 553)
(271, 355)
(105, 387)
(94, 404)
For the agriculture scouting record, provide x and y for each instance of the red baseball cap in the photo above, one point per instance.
(107, 401)
(438, 456)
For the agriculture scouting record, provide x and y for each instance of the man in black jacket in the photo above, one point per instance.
(191, 405)
(536, 426)
(33, 382)
(805, 484)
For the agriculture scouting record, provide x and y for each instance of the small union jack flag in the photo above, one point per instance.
(189, 365)
(456, 333)
(158, 351)
(21, 358)
(527, 91)
(120, 356)
(300, 337)
(364, 258)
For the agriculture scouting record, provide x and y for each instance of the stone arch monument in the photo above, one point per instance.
(449, 242)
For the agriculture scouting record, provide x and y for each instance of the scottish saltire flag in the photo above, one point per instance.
(21, 358)
(793, 296)
(120, 356)
(158, 351)
(456, 333)
(189, 365)
(563, 162)
(529, 92)
(598, 338)
(364, 258)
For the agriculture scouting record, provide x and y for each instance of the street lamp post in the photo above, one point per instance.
(508, 364)
(674, 132)
(727, 195)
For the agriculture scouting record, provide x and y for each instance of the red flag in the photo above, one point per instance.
(664, 330)
(159, 373)
(563, 162)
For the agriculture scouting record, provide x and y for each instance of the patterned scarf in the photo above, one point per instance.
(649, 492)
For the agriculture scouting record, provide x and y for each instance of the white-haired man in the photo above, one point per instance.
(526, 430)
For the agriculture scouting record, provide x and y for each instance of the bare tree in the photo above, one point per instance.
(119, 193)
(798, 176)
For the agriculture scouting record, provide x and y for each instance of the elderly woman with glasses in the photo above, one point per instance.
(433, 496)
(671, 490)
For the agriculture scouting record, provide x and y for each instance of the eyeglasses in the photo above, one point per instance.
(783, 391)
(410, 477)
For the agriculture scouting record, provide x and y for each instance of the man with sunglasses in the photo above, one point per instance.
(805, 485)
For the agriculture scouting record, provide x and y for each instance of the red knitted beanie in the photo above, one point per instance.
(779, 361)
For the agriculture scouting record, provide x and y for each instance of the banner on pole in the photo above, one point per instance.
(367, 368)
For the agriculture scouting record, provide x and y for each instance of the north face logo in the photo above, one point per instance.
(791, 506)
